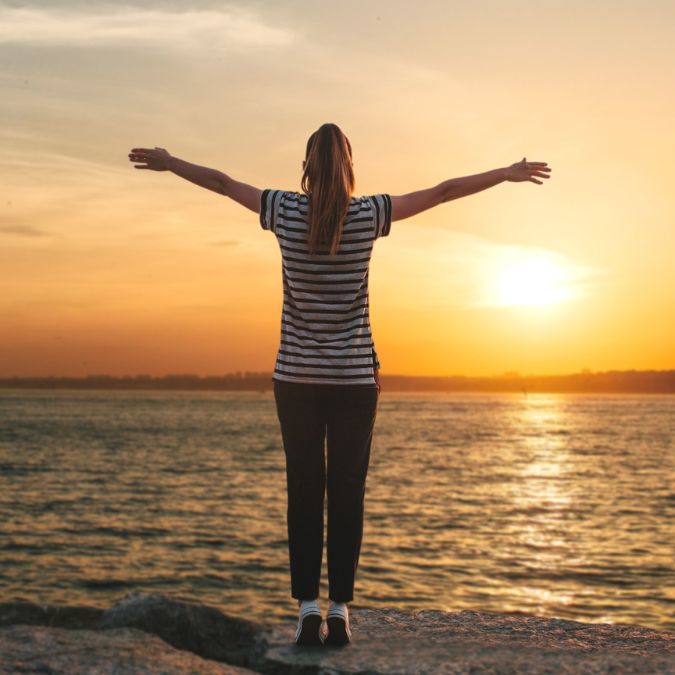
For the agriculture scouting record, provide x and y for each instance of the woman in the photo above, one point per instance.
(326, 383)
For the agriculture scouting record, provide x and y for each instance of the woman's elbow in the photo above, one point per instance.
(224, 184)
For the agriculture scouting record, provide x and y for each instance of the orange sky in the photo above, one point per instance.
(107, 269)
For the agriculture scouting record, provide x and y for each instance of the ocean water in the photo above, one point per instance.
(556, 505)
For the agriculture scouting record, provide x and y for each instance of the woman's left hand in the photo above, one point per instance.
(524, 170)
(155, 158)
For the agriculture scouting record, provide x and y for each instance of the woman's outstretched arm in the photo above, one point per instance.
(158, 159)
(404, 206)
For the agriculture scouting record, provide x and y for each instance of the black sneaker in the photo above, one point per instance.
(337, 621)
(309, 631)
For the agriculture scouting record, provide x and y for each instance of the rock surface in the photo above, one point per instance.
(196, 628)
(192, 628)
(45, 649)
(395, 642)
(151, 633)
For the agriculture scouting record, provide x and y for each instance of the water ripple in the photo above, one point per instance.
(560, 505)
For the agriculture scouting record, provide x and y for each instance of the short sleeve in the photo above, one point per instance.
(269, 208)
(381, 205)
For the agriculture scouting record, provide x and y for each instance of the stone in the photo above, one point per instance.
(72, 616)
(48, 649)
(198, 628)
(430, 641)
(150, 632)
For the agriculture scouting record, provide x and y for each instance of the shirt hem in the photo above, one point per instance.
(322, 380)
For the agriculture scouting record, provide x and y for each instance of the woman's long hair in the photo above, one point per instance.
(328, 180)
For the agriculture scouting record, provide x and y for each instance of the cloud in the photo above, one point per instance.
(55, 162)
(226, 28)
(24, 231)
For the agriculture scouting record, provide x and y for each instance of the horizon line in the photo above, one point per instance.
(265, 373)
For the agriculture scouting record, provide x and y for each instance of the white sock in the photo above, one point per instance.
(306, 604)
(338, 608)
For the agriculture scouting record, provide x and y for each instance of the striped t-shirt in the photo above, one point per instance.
(325, 323)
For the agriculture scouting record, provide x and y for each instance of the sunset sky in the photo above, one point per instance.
(108, 269)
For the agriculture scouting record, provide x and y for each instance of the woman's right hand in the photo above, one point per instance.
(524, 170)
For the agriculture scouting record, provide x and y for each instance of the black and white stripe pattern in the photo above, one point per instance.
(325, 322)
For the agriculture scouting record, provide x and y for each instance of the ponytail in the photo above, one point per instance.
(328, 180)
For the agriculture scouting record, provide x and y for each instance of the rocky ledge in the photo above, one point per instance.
(152, 633)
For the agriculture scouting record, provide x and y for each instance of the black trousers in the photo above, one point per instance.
(341, 418)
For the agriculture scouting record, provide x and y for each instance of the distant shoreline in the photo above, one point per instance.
(608, 382)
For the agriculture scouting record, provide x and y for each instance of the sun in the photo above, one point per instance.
(535, 282)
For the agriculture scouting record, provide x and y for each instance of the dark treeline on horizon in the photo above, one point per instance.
(612, 381)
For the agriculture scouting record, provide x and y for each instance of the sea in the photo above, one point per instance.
(557, 505)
